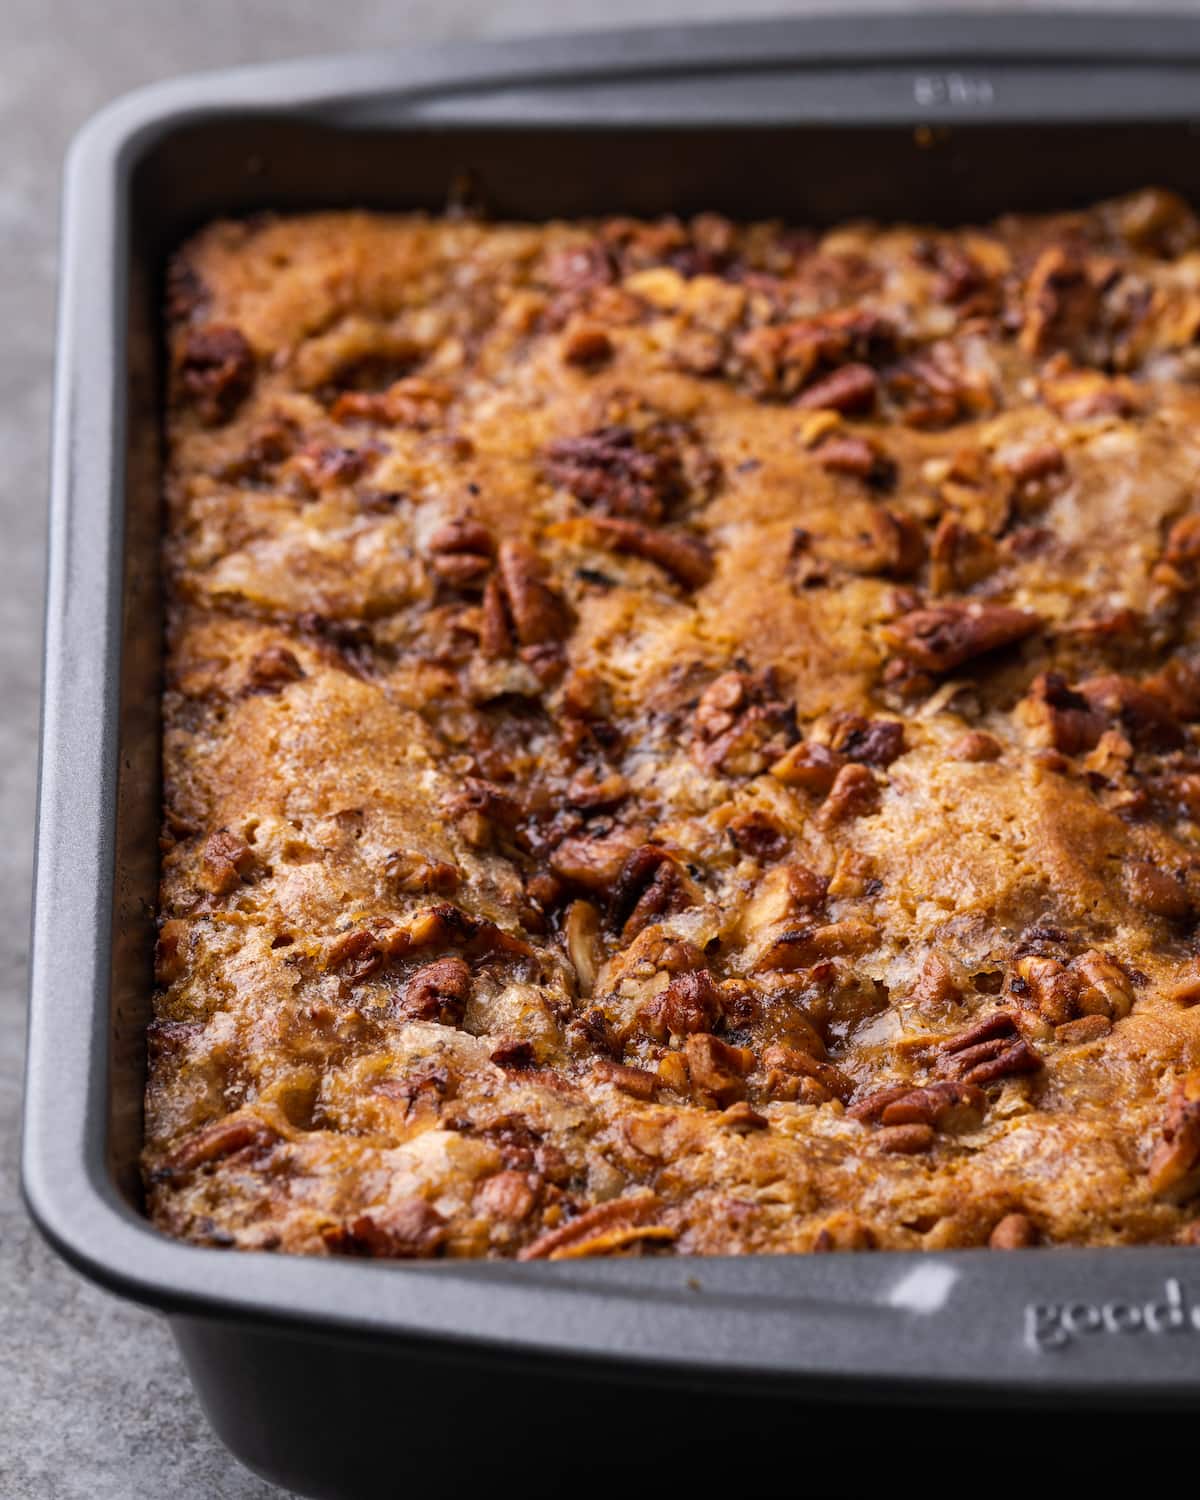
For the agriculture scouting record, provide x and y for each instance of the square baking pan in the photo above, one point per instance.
(319, 1372)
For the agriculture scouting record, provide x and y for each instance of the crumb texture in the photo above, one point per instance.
(681, 737)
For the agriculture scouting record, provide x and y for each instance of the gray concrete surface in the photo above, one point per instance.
(93, 1402)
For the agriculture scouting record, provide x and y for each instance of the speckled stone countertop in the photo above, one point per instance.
(94, 1404)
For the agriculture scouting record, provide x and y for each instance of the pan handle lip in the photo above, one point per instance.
(397, 83)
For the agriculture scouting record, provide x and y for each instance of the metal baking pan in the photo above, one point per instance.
(320, 1373)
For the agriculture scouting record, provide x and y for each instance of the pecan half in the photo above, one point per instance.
(640, 475)
(946, 1106)
(943, 638)
(519, 605)
(990, 1050)
(462, 551)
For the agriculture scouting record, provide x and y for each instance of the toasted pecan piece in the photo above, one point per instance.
(408, 1230)
(942, 638)
(1174, 1169)
(215, 367)
(606, 1227)
(686, 557)
(218, 1140)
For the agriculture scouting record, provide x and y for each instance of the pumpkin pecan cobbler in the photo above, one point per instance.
(681, 737)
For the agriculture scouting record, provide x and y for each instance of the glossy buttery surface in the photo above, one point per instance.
(681, 738)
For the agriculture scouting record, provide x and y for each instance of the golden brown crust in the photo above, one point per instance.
(681, 738)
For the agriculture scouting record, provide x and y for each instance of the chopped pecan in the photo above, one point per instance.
(1174, 1169)
(215, 367)
(1076, 395)
(594, 794)
(810, 766)
(438, 992)
(462, 551)
(741, 1118)
(717, 1070)
(905, 1140)
(408, 1230)
(800, 948)
(1037, 472)
(587, 345)
(777, 360)
(319, 466)
(741, 725)
(871, 742)
(226, 862)
(1107, 988)
(1082, 1029)
(940, 639)
(758, 835)
(170, 951)
(608, 1226)
(508, 1195)
(690, 1003)
(1061, 304)
(271, 669)
(936, 990)
(581, 930)
(1179, 568)
(857, 457)
(976, 745)
(357, 953)
(854, 794)
(595, 860)
(1014, 1231)
(959, 557)
(635, 1081)
(851, 389)
(416, 875)
(932, 389)
(946, 1106)
(1144, 715)
(512, 1052)
(218, 1140)
(1062, 716)
(412, 401)
(681, 554)
(651, 885)
(778, 1059)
